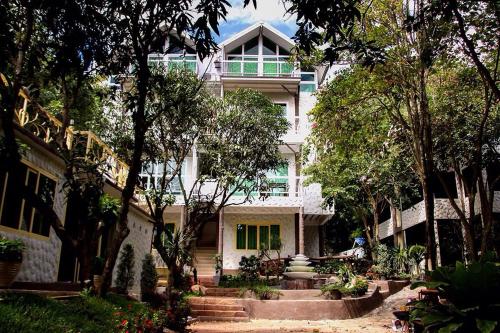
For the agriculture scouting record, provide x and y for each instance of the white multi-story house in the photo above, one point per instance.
(257, 58)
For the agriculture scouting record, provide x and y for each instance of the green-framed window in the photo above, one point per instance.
(253, 236)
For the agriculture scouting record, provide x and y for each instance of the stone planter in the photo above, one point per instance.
(8, 272)
(335, 294)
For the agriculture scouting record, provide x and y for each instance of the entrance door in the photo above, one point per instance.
(208, 235)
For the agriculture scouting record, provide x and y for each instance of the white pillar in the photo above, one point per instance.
(301, 230)
(220, 244)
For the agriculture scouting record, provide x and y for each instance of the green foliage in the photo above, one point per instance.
(355, 287)
(473, 299)
(331, 267)
(125, 270)
(264, 292)
(385, 262)
(30, 313)
(218, 263)
(249, 267)
(149, 276)
(108, 208)
(11, 250)
(331, 290)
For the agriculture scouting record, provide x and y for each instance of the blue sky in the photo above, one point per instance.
(270, 11)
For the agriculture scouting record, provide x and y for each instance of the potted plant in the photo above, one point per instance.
(97, 269)
(332, 291)
(218, 269)
(11, 257)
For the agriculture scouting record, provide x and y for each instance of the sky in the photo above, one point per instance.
(270, 11)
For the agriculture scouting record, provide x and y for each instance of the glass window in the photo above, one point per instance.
(268, 47)
(282, 51)
(308, 87)
(169, 231)
(307, 77)
(275, 237)
(264, 237)
(19, 213)
(236, 50)
(252, 237)
(12, 202)
(46, 191)
(241, 236)
(252, 46)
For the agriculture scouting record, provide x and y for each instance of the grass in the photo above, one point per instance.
(30, 313)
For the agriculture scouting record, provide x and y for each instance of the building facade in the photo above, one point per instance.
(256, 58)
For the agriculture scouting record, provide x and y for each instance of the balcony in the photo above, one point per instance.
(271, 74)
(174, 61)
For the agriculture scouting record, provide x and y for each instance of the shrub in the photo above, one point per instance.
(249, 267)
(266, 292)
(11, 250)
(125, 275)
(331, 290)
(357, 287)
(385, 265)
(473, 297)
(149, 277)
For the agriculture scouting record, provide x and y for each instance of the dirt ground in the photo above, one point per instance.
(377, 321)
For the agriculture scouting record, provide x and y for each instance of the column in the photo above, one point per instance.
(220, 242)
(301, 230)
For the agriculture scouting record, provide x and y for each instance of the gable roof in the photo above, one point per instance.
(268, 29)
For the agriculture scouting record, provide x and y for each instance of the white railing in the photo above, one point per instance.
(253, 67)
(174, 61)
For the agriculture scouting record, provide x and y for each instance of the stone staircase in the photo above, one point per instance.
(204, 263)
(211, 308)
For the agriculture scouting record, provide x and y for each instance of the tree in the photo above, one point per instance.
(125, 270)
(149, 277)
(360, 158)
(145, 24)
(64, 47)
(467, 131)
(238, 139)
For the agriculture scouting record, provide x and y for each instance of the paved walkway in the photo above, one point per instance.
(377, 321)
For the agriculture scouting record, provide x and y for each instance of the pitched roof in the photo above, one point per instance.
(267, 30)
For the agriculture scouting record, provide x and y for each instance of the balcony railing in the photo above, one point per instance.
(48, 128)
(174, 61)
(253, 67)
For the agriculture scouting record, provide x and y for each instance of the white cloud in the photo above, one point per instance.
(270, 11)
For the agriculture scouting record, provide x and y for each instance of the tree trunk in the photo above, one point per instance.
(430, 244)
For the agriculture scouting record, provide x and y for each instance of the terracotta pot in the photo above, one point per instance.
(97, 282)
(8, 272)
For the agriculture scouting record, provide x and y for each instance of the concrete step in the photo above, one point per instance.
(215, 300)
(220, 307)
(210, 318)
(219, 313)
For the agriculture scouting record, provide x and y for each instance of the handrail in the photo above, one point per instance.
(47, 127)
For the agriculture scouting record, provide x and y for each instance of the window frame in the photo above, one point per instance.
(39, 172)
(258, 226)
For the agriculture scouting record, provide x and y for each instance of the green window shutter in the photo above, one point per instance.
(264, 237)
(241, 235)
(252, 237)
(275, 237)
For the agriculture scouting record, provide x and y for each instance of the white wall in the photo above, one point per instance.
(232, 256)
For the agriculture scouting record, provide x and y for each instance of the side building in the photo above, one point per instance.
(46, 261)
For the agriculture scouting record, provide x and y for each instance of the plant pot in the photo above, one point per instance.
(97, 282)
(8, 272)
